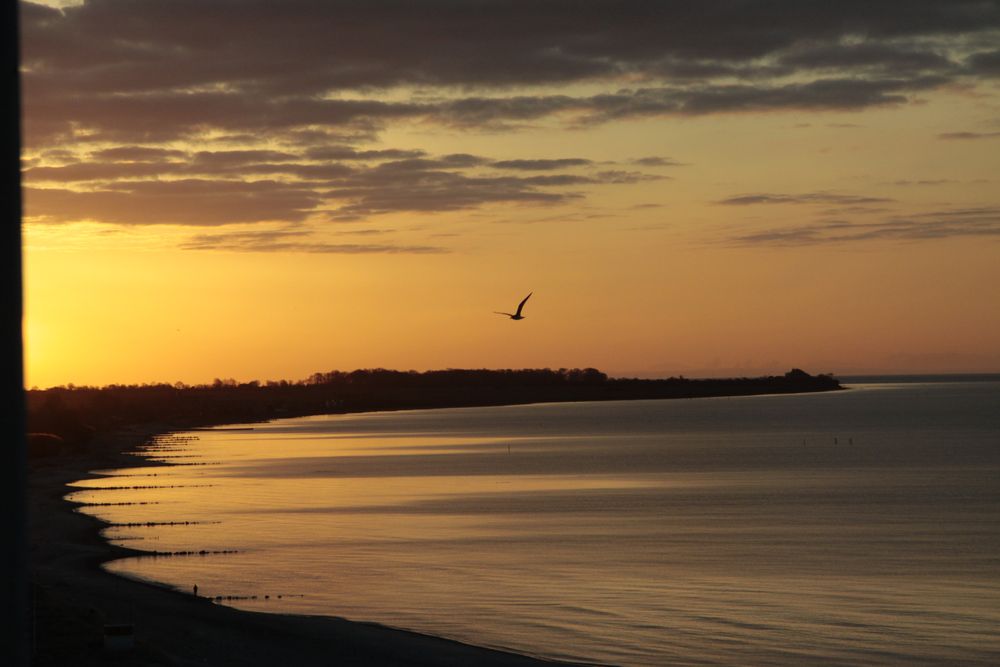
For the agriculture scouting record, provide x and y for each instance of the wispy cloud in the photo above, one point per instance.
(296, 241)
(541, 164)
(968, 136)
(657, 161)
(941, 224)
(802, 198)
(925, 182)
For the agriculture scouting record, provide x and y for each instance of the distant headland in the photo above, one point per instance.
(69, 417)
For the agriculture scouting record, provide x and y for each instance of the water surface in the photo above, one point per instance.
(855, 527)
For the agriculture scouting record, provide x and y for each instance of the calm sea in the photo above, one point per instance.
(854, 527)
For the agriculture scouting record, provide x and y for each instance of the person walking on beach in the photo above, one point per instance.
(196, 590)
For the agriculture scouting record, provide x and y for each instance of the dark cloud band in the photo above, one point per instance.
(133, 70)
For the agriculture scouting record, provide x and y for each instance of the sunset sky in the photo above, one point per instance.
(262, 190)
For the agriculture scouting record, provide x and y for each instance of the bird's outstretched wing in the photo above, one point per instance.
(521, 305)
(507, 314)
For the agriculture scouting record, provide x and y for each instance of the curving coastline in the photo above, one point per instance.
(74, 597)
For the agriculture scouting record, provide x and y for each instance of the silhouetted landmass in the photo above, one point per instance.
(69, 417)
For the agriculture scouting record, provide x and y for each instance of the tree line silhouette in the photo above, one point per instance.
(68, 417)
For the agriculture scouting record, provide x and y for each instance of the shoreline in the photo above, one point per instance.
(73, 596)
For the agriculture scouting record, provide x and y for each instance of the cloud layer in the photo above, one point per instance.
(142, 70)
(213, 112)
(146, 185)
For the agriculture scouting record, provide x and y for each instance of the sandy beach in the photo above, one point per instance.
(74, 598)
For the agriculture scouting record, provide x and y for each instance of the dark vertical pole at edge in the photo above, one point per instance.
(12, 369)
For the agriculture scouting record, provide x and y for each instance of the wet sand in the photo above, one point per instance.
(74, 598)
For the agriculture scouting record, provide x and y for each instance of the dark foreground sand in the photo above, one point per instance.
(74, 598)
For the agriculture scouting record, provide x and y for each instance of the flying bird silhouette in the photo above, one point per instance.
(517, 315)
